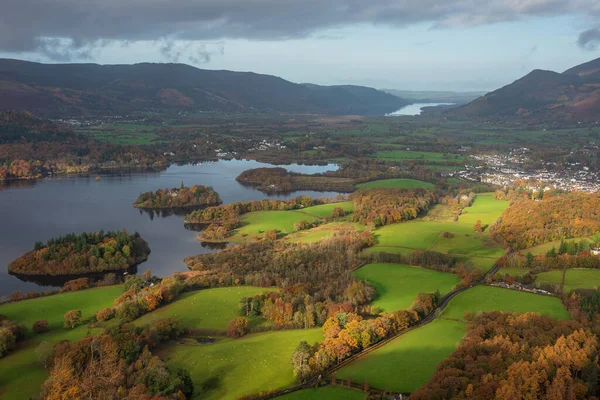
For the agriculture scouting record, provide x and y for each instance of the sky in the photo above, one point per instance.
(461, 45)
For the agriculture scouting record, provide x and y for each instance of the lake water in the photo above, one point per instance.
(43, 209)
(415, 109)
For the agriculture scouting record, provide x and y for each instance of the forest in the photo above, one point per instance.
(194, 196)
(526, 356)
(556, 216)
(279, 180)
(82, 254)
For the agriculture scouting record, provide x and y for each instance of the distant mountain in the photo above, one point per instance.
(543, 95)
(81, 89)
(435, 96)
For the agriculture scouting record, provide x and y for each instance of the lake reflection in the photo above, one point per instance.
(47, 208)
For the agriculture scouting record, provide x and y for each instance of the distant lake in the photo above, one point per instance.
(415, 109)
(40, 210)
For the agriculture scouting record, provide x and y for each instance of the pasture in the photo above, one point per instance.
(232, 368)
(325, 210)
(406, 155)
(576, 278)
(489, 298)
(207, 309)
(323, 231)
(256, 223)
(53, 308)
(396, 183)
(398, 285)
(326, 392)
(408, 361)
(485, 208)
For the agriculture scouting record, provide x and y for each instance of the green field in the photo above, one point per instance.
(485, 208)
(482, 263)
(408, 361)
(53, 308)
(232, 368)
(546, 247)
(20, 374)
(396, 183)
(326, 392)
(256, 223)
(208, 309)
(579, 278)
(404, 155)
(325, 210)
(513, 271)
(488, 298)
(398, 285)
(323, 231)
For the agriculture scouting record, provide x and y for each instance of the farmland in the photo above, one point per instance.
(398, 285)
(578, 278)
(396, 183)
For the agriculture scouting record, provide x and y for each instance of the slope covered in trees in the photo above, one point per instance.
(195, 196)
(508, 355)
(81, 254)
(527, 223)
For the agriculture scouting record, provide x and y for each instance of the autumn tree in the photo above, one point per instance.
(105, 314)
(40, 326)
(237, 327)
(338, 212)
(301, 225)
(477, 226)
(73, 318)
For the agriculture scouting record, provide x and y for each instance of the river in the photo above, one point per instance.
(415, 109)
(40, 210)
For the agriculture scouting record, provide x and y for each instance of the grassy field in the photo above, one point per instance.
(323, 231)
(488, 298)
(396, 183)
(20, 374)
(326, 392)
(256, 223)
(208, 309)
(482, 263)
(398, 285)
(408, 361)
(546, 247)
(579, 278)
(325, 210)
(404, 155)
(513, 271)
(232, 368)
(484, 208)
(53, 308)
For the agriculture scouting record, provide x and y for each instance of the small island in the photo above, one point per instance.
(279, 180)
(183, 197)
(83, 254)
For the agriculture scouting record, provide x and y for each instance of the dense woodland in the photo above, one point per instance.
(82, 254)
(279, 180)
(195, 196)
(519, 356)
(388, 206)
(116, 364)
(527, 223)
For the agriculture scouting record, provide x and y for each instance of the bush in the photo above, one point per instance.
(7, 341)
(130, 311)
(338, 212)
(165, 329)
(237, 327)
(105, 314)
(301, 225)
(73, 318)
(271, 235)
(44, 353)
(40, 326)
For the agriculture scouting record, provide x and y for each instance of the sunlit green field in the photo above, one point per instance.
(326, 392)
(232, 368)
(398, 285)
(256, 223)
(396, 183)
(488, 298)
(325, 210)
(403, 155)
(208, 309)
(485, 208)
(408, 361)
(323, 231)
(580, 278)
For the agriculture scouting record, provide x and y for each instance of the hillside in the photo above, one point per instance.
(572, 95)
(80, 89)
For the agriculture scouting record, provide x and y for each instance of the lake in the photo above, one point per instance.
(415, 109)
(40, 210)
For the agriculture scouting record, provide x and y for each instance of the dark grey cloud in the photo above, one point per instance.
(589, 39)
(28, 25)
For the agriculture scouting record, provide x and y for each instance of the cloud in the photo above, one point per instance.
(79, 26)
(589, 39)
(193, 52)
